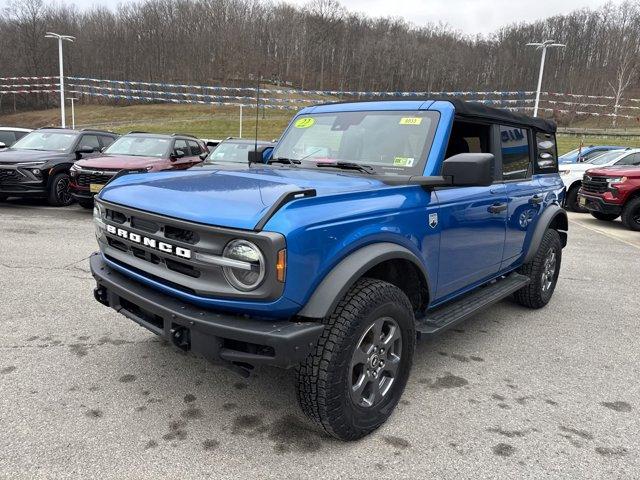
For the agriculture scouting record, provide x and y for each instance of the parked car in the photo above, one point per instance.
(38, 164)
(211, 143)
(572, 173)
(235, 151)
(10, 135)
(146, 152)
(579, 155)
(611, 192)
(373, 222)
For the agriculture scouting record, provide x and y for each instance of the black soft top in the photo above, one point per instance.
(479, 110)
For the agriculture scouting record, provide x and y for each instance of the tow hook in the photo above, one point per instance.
(100, 294)
(181, 338)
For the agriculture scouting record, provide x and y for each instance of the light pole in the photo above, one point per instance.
(542, 46)
(73, 112)
(60, 38)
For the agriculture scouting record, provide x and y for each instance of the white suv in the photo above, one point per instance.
(572, 173)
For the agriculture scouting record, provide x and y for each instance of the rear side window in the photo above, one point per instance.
(546, 153)
(516, 156)
(106, 141)
(181, 148)
(195, 148)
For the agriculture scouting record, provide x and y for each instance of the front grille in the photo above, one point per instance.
(84, 178)
(181, 234)
(9, 176)
(594, 184)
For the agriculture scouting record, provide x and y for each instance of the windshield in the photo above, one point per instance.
(46, 141)
(604, 158)
(140, 146)
(233, 152)
(390, 142)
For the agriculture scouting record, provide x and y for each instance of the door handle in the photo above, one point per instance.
(497, 208)
(535, 200)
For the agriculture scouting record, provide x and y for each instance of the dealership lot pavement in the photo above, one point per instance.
(85, 393)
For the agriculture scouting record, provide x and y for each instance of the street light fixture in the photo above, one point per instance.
(542, 46)
(60, 38)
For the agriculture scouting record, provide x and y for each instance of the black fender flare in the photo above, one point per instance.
(552, 216)
(341, 278)
(60, 167)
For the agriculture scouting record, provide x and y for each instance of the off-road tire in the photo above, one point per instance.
(631, 214)
(605, 217)
(572, 200)
(88, 204)
(535, 295)
(323, 381)
(55, 197)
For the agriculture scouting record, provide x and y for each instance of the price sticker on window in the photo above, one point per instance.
(410, 120)
(304, 122)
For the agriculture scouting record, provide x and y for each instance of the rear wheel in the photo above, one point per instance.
(84, 203)
(59, 195)
(543, 270)
(572, 200)
(631, 214)
(352, 381)
(607, 217)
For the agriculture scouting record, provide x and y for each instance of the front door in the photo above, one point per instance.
(473, 231)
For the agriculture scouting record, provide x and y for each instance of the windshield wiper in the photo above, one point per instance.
(286, 161)
(348, 166)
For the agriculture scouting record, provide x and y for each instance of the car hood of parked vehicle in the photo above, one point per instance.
(12, 156)
(615, 171)
(237, 198)
(120, 162)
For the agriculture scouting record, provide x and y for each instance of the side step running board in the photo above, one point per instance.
(456, 311)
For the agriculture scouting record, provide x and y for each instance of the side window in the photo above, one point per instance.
(592, 154)
(633, 159)
(90, 141)
(516, 157)
(180, 148)
(546, 153)
(19, 135)
(195, 148)
(469, 137)
(106, 141)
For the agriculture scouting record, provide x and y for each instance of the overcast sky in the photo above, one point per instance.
(467, 16)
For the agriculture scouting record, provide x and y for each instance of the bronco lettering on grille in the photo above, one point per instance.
(149, 242)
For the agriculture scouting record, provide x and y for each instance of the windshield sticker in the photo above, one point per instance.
(304, 122)
(403, 162)
(410, 120)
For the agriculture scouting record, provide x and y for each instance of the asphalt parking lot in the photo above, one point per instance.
(513, 393)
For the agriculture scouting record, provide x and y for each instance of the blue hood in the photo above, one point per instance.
(236, 198)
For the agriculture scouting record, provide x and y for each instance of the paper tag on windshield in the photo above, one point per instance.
(410, 120)
(403, 162)
(304, 122)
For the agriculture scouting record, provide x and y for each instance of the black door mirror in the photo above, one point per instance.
(203, 156)
(469, 169)
(257, 156)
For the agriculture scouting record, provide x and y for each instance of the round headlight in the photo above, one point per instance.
(248, 273)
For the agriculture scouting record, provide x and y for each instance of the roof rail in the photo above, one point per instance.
(53, 128)
(135, 131)
(183, 135)
(97, 130)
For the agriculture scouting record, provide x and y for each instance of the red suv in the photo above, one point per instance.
(135, 151)
(612, 192)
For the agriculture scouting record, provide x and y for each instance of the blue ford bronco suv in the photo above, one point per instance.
(373, 223)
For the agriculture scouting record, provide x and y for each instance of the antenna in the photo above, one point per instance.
(257, 115)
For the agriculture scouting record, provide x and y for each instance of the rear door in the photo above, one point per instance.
(523, 190)
(182, 152)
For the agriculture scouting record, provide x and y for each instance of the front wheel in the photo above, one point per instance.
(631, 214)
(572, 200)
(59, 195)
(607, 217)
(353, 379)
(543, 270)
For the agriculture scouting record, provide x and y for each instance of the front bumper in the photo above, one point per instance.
(598, 204)
(20, 182)
(219, 337)
(80, 193)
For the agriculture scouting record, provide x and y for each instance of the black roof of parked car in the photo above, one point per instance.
(478, 110)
